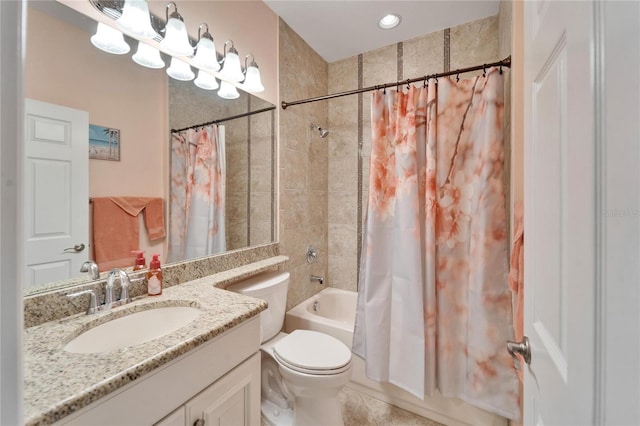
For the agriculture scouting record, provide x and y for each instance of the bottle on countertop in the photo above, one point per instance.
(154, 277)
(141, 262)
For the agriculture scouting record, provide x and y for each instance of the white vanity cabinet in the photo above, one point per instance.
(218, 382)
(234, 400)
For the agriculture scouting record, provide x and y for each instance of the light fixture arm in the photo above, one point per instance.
(252, 64)
(174, 14)
(232, 49)
(206, 33)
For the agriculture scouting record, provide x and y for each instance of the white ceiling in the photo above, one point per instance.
(340, 29)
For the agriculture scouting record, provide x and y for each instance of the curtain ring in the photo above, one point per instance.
(484, 70)
(458, 78)
(500, 69)
(408, 84)
(384, 89)
(426, 78)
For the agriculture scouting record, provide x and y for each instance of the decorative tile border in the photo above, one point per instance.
(447, 49)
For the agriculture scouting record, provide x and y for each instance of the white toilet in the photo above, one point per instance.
(302, 372)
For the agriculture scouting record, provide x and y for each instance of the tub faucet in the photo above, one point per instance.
(317, 279)
(92, 268)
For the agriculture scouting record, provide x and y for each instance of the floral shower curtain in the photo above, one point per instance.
(198, 174)
(434, 307)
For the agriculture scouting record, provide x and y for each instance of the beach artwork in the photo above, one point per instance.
(104, 143)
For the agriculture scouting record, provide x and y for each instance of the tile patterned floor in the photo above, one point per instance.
(359, 409)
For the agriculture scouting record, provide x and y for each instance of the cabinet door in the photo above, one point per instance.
(234, 400)
(174, 419)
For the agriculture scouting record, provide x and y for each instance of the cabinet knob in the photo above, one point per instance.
(199, 422)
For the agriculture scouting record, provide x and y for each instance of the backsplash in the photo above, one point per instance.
(52, 305)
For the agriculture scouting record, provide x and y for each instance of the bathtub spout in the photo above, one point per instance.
(317, 279)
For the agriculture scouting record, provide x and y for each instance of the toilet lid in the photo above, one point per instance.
(313, 352)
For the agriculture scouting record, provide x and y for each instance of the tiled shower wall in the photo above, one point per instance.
(466, 45)
(303, 164)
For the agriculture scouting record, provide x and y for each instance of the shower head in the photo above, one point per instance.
(323, 132)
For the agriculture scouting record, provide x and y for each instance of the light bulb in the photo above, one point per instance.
(206, 81)
(135, 19)
(228, 90)
(231, 69)
(206, 57)
(180, 70)
(252, 81)
(148, 56)
(109, 40)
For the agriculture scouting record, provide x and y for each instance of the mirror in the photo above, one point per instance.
(63, 68)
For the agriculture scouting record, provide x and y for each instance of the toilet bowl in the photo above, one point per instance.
(302, 372)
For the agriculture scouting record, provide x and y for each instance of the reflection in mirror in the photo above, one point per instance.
(63, 68)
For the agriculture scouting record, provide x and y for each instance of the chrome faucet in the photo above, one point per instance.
(317, 279)
(125, 282)
(92, 268)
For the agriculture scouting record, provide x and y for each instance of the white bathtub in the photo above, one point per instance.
(333, 311)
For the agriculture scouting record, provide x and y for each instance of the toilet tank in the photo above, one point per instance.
(272, 287)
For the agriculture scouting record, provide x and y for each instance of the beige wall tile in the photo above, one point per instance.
(343, 141)
(295, 165)
(423, 55)
(343, 111)
(342, 240)
(343, 174)
(303, 164)
(343, 75)
(380, 66)
(343, 272)
(474, 43)
(343, 208)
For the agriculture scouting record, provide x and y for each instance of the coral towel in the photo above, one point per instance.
(115, 228)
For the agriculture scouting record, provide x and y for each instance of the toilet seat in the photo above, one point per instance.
(314, 353)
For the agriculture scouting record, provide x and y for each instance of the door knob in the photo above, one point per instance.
(521, 348)
(77, 248)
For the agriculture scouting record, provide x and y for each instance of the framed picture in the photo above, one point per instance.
(104, 143)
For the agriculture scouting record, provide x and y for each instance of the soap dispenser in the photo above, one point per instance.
(140, 263)
(154, 277)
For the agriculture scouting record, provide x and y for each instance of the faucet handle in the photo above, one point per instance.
(93, 301)
(125, 283)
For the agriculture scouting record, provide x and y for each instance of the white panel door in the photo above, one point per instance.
(560, 213)
(56, 192)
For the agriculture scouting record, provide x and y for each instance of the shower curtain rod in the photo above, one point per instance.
(506, 62)
(222, 120)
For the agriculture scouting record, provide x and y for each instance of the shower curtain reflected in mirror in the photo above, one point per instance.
(198, 174)
(434, 307)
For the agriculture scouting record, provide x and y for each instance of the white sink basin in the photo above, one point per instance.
(132, 329)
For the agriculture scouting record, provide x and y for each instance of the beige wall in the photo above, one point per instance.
(62, 67)
(303, 164)
(462, 46)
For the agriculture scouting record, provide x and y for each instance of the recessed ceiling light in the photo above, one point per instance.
(389, 21)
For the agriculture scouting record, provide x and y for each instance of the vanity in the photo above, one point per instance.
(209, 369)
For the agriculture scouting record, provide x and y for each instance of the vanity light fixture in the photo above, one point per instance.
(135, 19)
(109, 40)
(148, 56)
(252, 81)
(180, 70)
(206, 57)
(228, 90)
(206, 81)
(231, 69)
(389, 21)
(176, 39)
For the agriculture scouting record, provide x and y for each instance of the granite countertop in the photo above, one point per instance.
(58, 383)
